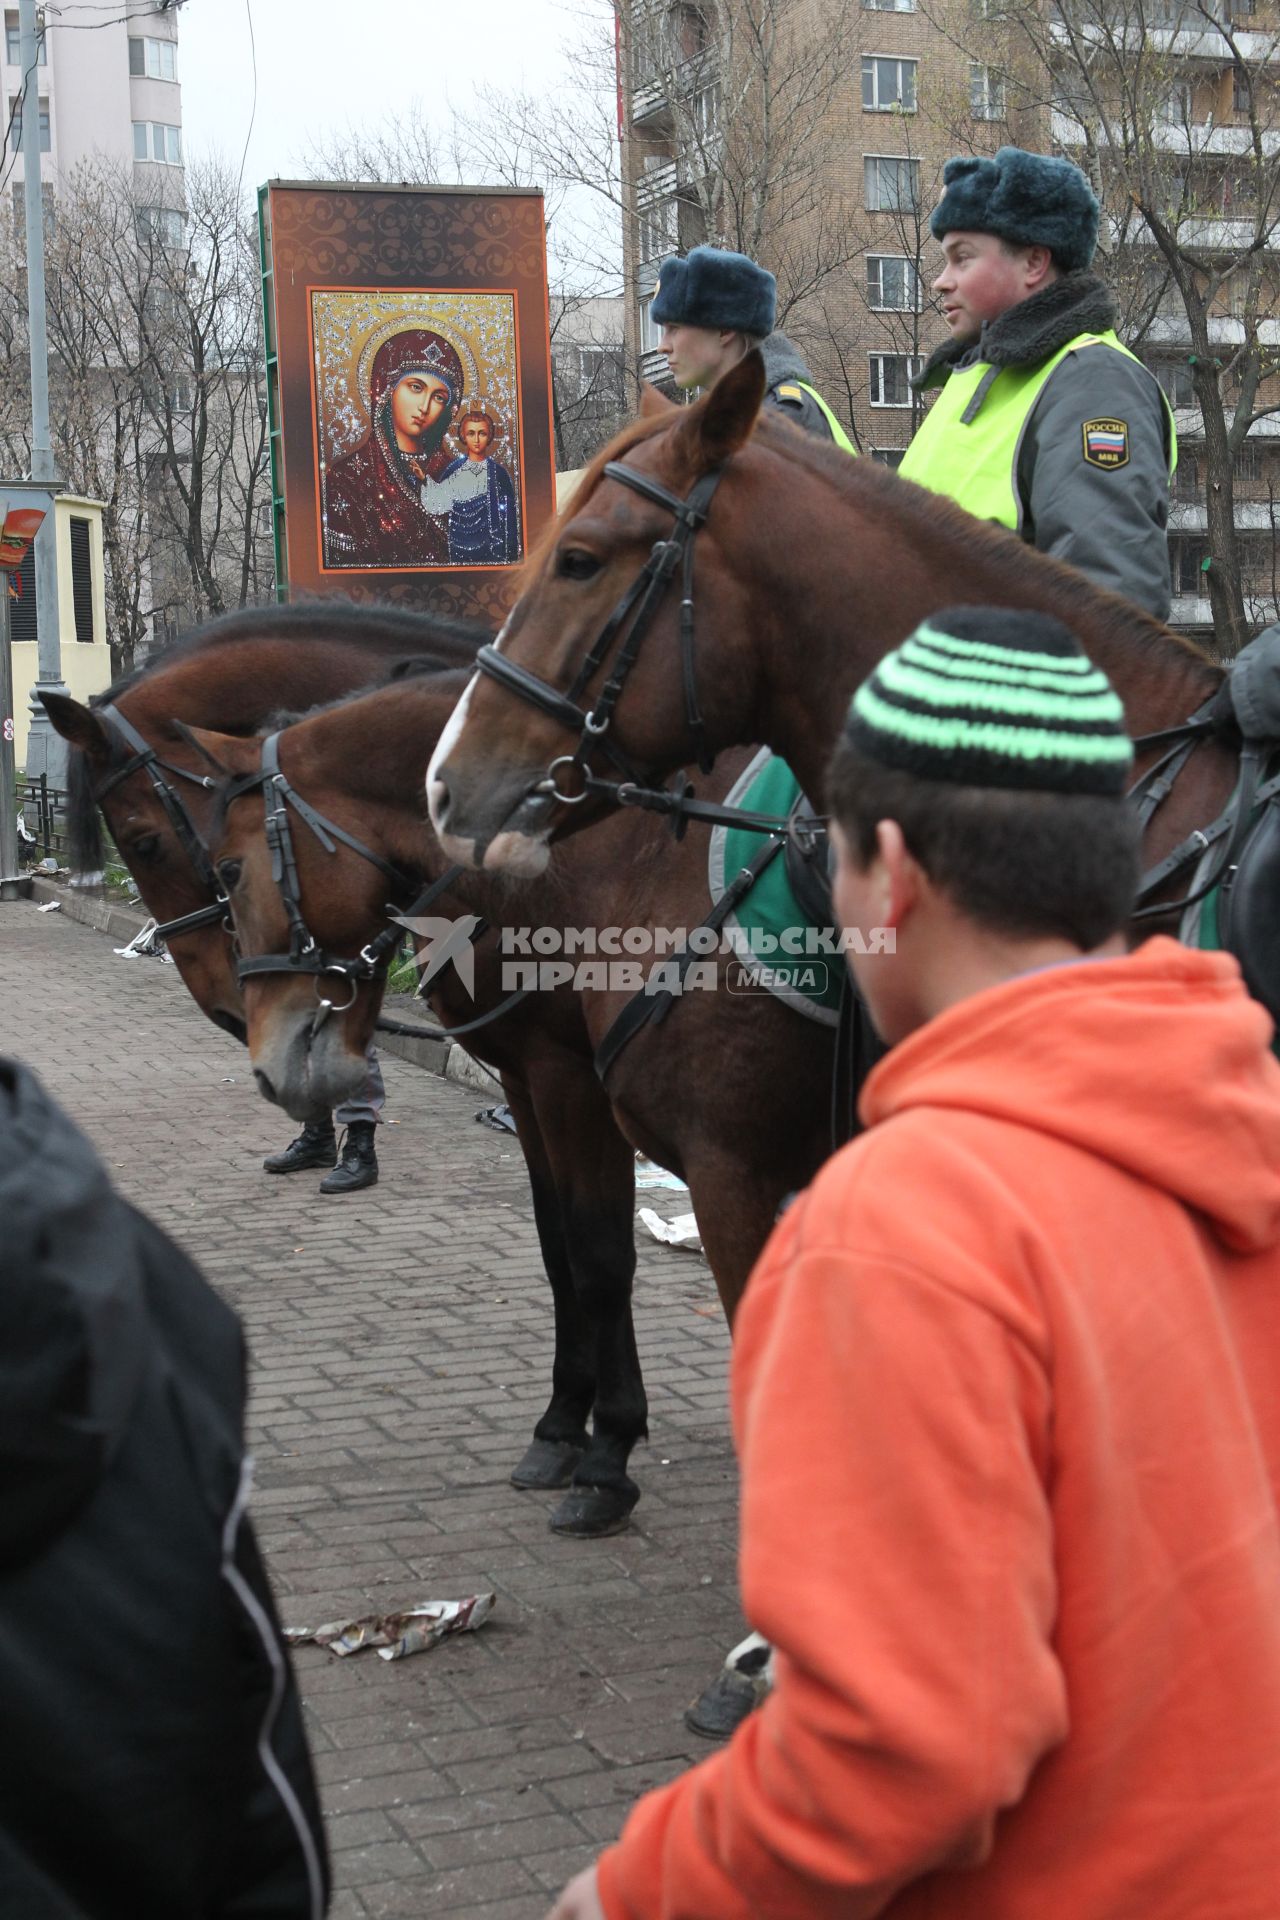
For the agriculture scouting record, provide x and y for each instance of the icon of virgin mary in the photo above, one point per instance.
(373, 511)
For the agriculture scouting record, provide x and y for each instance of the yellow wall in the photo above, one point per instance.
(86, 668)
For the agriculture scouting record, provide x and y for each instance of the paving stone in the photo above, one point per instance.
(401, 1347)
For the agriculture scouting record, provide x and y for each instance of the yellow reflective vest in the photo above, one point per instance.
(969, 442)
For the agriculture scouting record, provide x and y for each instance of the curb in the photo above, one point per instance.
(441, 1057)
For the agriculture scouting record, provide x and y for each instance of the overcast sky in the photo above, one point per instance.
(326, 64)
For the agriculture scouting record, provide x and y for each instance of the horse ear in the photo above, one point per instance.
(80, 725)
(226, 753)
(652, 402)
(722, 422)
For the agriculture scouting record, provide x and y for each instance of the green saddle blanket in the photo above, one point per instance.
(778, 951)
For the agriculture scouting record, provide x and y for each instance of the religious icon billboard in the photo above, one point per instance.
(410, 383)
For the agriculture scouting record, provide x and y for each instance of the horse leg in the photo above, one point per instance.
(560, 1437)
(594, 1170)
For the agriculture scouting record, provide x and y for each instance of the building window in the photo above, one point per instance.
(13, 43)
(1246, 467)
(1186, 477)
(157, 59)
(890, 384)
(1173, 106)
(1176, 378)
(893, 284)
(1187, 556)
(890, 185)
(986, 92)
(650, 331)
(1241, 90)
(152, 141)
(164, 226)
(888, 456)
(704, 110)
(889, 6)
(81, 581)
(15, 122)
(657, 230)
(888, 86)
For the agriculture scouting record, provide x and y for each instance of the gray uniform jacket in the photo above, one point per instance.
(783, 366)
(1110, 521)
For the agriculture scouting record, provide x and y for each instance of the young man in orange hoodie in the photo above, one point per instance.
(1007, 1377)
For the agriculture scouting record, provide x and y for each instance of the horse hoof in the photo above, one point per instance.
(547, 1464)
(722, 1707)
(590, 1513)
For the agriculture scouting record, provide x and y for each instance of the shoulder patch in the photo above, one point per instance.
(1106, 443)
(791, 393)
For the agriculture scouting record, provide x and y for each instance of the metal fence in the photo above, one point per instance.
(44, 809)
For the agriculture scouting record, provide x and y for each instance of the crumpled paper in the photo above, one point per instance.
(397, 1635)
(680, 1232)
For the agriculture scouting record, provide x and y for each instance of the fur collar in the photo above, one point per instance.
(1031, 331)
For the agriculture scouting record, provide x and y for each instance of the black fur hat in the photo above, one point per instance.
(1027, 198)
(713, 288)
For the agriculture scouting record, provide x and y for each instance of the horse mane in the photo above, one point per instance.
(432, 643)
(938, 519)
(642, 428)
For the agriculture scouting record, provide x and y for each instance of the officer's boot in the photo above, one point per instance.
(358, 1166)
(315, 1146)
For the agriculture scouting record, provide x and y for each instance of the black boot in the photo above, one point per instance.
(358, 1166)
(315, 1146)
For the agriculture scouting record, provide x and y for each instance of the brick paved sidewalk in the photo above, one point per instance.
(402, 1352)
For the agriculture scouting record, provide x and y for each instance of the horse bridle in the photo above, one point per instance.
(146, 759)
(638, 605)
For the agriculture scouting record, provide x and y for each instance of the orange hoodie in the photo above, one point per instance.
(1007, 1403)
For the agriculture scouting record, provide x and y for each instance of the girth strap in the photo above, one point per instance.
(650, 1009)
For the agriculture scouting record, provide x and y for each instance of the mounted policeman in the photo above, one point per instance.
(1045, 421)
(714, 307)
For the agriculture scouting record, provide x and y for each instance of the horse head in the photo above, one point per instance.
(607, 585)
(308, 1031)
(159, 838)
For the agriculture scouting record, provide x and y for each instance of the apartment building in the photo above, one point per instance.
(908, 83)
(107, 86)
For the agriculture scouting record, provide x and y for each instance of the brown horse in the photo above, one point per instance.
(809, 567)
(232, 675)
(720, 1122)
(729, 1091)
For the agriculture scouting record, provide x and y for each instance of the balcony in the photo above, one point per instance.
(1190, 426)
(1201, 140)
(1190, 43)
(656, 184)
(653, 368)
(649, 103)
(1190, 610)
(1174, 330)
(1212, 235)
(1251, 516)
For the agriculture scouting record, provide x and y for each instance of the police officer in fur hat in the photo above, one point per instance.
(713, 307)
(1045, 421)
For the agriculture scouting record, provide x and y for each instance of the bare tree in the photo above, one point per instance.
(1171, 107)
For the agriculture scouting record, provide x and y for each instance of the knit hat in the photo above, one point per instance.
(711, 288)
(1027, 198)
(986, 697)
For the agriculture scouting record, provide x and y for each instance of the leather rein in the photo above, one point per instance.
(146, 759)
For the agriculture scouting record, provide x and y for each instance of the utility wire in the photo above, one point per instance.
(253, 110)
(17, 108)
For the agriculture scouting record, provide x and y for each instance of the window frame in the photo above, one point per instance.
(912, 363)
(874, 62)
(912, 273)
(898, 205)
(994, 110)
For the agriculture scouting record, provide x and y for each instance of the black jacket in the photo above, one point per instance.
(152, 1755)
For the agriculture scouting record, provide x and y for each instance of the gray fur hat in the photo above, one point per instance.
(1027, 198)
(713, 288)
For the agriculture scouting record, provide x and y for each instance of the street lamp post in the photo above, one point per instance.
(46, 750)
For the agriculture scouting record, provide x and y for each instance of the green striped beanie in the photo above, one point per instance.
(986, 697)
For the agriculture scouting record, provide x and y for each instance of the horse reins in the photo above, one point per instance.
(146, 759)
(305, 955)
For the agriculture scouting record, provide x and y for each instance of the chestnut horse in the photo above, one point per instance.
(804, 568)
(726, 1118)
